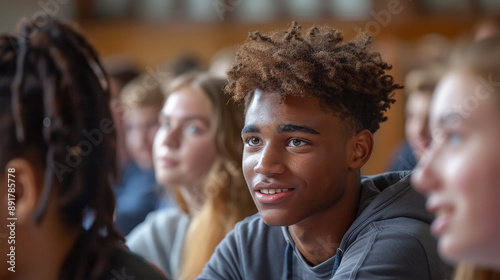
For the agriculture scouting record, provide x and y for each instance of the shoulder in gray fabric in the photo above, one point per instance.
(389, 239)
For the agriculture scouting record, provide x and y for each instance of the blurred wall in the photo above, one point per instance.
(395, 29)
(152, 44)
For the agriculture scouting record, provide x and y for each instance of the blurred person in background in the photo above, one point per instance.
(419, 87)
(58, 153)
(136, 109)
(182, 64)
(177, 66)
(121, 70)
(197, 154)
(459, 173)
(138, 193)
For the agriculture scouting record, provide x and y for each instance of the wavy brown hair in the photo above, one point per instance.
(347, 77)
(52, 90)
(225, 192)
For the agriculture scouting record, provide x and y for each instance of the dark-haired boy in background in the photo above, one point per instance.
(312, 104)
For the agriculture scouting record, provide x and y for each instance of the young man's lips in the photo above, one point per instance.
(272, 195)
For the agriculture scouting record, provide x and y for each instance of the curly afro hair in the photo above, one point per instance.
(345, 76)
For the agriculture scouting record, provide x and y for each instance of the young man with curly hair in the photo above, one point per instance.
(312, 103)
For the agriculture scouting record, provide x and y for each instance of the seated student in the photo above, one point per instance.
(58, 155)
(312, 104)
(460, 172)
(197, 154)
(419, 87)
(138, 193)
(121, 70)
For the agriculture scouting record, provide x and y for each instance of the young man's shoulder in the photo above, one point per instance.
(389, 191)
(253, 228)
(389, 204)
(394, 224)
(388, 179)
(252, 250)
(389, 196)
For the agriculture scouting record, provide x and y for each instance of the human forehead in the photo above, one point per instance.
(450, 92)
(464, 95)
(146, 110)
(267, 108)
(419, 97)
(187, 99)
(262, 98)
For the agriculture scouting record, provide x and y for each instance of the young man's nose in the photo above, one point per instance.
(270, 161)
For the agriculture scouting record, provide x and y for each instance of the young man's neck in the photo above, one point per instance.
(319, 236)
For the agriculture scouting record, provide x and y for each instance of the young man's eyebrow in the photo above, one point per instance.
(250, 129)
(296, 128)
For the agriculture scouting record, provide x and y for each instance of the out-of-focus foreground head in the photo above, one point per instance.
(459, 173)
(57, 128)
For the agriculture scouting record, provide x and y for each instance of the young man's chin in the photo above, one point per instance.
(276, 217)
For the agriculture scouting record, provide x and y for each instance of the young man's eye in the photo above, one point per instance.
(297, 142)
(252, 141)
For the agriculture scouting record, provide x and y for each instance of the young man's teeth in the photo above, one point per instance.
(272, 191)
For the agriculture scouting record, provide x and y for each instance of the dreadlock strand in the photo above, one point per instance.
(17, 84)
(47, 189)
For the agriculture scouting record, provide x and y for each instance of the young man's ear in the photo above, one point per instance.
(26, 188)
(362, 149)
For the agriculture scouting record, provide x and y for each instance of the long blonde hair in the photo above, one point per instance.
(227, 199)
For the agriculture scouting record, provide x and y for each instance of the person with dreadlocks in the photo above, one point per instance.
(58, 156)
(312, 103)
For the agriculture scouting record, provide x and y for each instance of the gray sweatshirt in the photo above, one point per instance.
(390, 239)
(160, 239)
